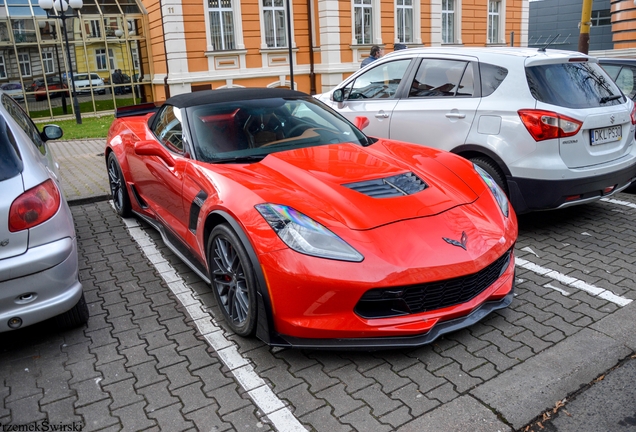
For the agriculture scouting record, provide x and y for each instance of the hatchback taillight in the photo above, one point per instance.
(633, 115)
(34, 206)
(544, 125)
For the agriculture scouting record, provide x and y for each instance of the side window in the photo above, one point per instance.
(381, 82)
(168, 128)
(441, 78)
(612, 70)
(25, 123)
(625, 81)
(491, 78)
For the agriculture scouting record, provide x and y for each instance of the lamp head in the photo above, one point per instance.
(76, 4)
(46, 4)
(119, 33)
(60, 5)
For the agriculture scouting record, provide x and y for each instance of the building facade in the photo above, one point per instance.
(199, 44)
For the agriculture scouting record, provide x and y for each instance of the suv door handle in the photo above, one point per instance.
(381, 114)
(455, 115)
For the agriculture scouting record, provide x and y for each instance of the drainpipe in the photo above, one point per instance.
(166, 87)
(312, 75)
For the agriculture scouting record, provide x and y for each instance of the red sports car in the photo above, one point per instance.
(310, 233)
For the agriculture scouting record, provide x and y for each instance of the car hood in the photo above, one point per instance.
(330, 182)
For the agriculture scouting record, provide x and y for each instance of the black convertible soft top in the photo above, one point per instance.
(231, 94)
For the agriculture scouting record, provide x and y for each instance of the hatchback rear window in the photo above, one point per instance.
(573, 85)
(10, 162)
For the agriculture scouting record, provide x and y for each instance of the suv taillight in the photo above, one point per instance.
(544, 125)
(34, 206)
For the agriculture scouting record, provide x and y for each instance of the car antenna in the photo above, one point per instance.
(542, 49)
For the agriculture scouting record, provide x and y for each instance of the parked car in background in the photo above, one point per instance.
(549, 126)
(38, 248)
(623, 72)
(87, 83)
(52, 86)
(311, 233)
(13, 89)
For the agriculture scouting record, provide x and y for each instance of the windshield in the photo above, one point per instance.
(252, 129)
(573, 85)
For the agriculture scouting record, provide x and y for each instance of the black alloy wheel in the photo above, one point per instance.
(118, 187)
(232, 280)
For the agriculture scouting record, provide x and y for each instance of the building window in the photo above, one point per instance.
(25, 64)
(111, 59)
(405, 20)
(100, 58)
(363, 21)
(47, 62)
(494, 7)
(3, 69)
(275, 24)
(222, 24)
(95, 30)
(135, 58)
(448, 21)
(601, 18)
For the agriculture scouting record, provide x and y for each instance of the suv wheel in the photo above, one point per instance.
(493, 169)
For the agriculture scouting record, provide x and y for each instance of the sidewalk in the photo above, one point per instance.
(82, 169)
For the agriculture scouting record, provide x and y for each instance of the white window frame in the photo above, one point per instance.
(135, 58)
(48, 64)
(220, 11)
(24, 60)
(111, 59)
(400, 5)
(362, 6)
(448, 17)
(436, 23)
(273, 9)
(100, 53)
(95, 28)
(3, 68)
(500, 16)
(237, 24)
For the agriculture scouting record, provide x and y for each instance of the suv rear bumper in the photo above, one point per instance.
(536, 194)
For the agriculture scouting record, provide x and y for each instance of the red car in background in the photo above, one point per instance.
(310, 233)
(53, 86)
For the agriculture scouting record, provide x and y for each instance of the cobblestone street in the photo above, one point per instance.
(155, 355)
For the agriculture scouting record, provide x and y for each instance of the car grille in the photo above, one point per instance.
(394, 186)
(397, 301)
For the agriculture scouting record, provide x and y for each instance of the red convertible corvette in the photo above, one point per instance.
(310, 233)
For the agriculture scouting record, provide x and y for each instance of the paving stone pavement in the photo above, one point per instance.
(141, 364)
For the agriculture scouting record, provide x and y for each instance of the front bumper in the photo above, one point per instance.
(50, 288)
(378, 343)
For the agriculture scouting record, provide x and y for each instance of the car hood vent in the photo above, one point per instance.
(394, 186)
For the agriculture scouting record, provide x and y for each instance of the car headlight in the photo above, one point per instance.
(500, 195)
(305, 235)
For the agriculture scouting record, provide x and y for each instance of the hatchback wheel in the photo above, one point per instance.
(75, 317)
(232, 279)
(118, 187)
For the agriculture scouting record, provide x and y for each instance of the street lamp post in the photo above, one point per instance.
(53, 32)
(61, 6)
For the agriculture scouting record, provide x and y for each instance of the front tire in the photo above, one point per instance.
(232, 279)
(118, 189)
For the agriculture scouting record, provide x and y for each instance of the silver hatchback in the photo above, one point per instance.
(38, 247)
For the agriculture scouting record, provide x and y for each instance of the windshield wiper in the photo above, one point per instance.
(239, 159)
(606, 99)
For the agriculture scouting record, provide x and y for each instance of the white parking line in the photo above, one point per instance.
(619, 202)
(281, 417)
(573, 282)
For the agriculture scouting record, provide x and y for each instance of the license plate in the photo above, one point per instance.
(606, 135)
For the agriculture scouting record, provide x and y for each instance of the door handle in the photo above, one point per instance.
(455, 115)
(381, 115)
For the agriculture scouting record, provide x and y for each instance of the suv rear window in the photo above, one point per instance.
(573, 85)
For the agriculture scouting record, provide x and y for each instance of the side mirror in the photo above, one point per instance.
(51, 132)
(338, 95)
(151, 148)
(361, 122)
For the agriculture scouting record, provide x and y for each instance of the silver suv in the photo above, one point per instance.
(550, 126)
